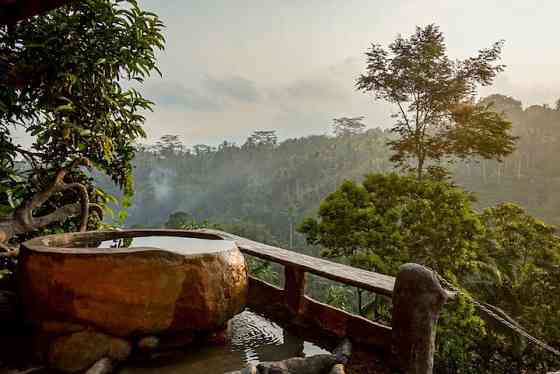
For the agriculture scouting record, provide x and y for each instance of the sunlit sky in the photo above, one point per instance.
(234, 66)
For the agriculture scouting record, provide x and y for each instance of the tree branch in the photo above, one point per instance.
(84, 202)
(406, 121)
(23, 220)
(59, 215)
(24, 213)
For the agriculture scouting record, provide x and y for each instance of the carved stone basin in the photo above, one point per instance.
(163, 282)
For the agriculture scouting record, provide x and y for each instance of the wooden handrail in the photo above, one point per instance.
(367, 280)
(416, 293)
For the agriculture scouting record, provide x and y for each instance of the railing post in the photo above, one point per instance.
(294, 286)
(417, 300)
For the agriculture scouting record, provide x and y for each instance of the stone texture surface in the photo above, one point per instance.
(318, 364)
(173, 341)
(103, 366)
(59, 327)
(337, 369)
(148, 343)
(8, 306)
(137, 293)
(80, 350)
(417, 302)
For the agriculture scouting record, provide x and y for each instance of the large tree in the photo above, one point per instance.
(389, 219)
(503, 257)
(437, 117)
(62, 79)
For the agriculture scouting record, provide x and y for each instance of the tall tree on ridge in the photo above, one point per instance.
(344, 126)
(437, 116)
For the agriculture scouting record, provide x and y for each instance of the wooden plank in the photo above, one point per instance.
(294, 288)
(367, 280)
(328, 320)
(344, 324)
(262, 293)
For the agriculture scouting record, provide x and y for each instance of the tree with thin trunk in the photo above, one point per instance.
(438, 118)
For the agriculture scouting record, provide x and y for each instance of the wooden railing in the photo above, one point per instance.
(416, 294)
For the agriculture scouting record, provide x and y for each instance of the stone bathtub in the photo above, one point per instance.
(71, 285)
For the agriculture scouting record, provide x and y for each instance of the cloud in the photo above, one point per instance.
(294, 107)
(233, 87)
(529, 93)
(315, 89)
(171, 94)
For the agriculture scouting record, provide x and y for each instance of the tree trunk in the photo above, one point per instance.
(420, 167)
(22, 220)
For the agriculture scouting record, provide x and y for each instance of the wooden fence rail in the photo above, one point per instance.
(416, 294)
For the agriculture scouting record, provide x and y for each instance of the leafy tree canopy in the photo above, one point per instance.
(345, 126)
(523, 257)
(437, 116)
(502, 256)
(390, 219)
(63, 87)
(178, 220)
(262, 138)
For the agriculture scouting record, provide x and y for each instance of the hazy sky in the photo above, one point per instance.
(234, 66)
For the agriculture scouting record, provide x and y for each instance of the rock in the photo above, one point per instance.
(59, 327)
(148, 343)
(217, 337)
(343, 351)
(179, 340)
(132, 291)
(251, 369)
(318, 364)
(337, 369)
(80, 350)
(8, 306)
(103, 366)
(417, 301)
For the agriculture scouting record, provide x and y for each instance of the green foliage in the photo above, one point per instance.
(178, 220)
(503, 256)
(275, 186)
(340, 296)
(263, 270)
(437, 116)
(391, 219)
(524, 253)
(345, 126)
(230, 182)
(64, 89)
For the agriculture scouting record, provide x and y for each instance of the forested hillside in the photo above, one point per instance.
(278, 184)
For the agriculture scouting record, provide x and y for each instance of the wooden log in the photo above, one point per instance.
(417, 301)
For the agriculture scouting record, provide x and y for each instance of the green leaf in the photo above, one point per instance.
(64, 108)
